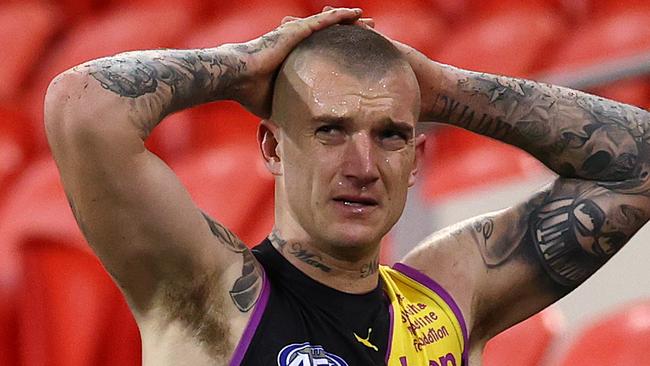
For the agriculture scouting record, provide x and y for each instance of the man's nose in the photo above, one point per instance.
(361, 160)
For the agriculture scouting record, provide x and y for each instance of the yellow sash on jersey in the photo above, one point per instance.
(427, 327)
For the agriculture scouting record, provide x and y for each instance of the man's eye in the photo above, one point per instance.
(394, 140)
(394, 135)
(329, 131)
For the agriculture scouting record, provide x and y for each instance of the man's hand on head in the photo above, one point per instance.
(264, 55)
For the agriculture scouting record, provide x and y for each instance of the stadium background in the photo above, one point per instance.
(59, 307)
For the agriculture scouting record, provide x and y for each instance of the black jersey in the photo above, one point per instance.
(301, 322)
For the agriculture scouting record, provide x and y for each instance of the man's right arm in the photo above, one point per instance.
(132, 209)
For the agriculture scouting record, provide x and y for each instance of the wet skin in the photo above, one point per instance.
(347, 155)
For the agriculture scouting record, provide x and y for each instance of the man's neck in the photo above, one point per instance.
(356, 276)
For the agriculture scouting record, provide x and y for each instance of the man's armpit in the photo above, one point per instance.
(198, 302)
(247, 287)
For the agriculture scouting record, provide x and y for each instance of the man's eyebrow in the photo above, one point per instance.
(336, 120)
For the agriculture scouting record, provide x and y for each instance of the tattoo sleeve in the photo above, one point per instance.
(576, 134)
(568, 231)
(159, 82)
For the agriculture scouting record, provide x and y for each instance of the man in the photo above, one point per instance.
(338, 135)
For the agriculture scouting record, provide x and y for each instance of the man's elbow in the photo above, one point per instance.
(77, 112)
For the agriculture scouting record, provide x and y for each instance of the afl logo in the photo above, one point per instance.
(304, 354)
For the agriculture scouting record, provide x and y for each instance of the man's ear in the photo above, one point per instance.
(420, 142)
(267, 133)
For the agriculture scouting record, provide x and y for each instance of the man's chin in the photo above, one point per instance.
(355, 235)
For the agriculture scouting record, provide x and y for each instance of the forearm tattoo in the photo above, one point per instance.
(246, 289)
(574, 133)
(168, 80)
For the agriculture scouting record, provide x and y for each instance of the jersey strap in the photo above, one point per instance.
(427, 327)
(253, 322)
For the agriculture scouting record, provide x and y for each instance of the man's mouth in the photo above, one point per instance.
(356, 201)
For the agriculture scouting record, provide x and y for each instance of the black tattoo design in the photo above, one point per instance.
(493, 253)
(555, 229)
(266, 41)
(245, 291)
(192, 76)
(574, 133)
(571, 230)
(312, 259)
(371, 268)
(275, 239)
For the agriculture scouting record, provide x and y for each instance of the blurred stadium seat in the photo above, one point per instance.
(416, 22)
(123, 29)
(618, 338)
(15, 146)
(527, 343)
(605, 8)
(25, 30)
(233, 186)
(470, 162)
(510, 42)
(9, 343)
(35, 206)
(67, 302)
(614, 34)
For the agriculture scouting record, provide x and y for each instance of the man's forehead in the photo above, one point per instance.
(319, 84)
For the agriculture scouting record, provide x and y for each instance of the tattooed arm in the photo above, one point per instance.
(134, 212)
(517, 261)
(576, 134)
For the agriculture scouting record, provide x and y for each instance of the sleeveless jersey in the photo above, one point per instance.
(407, 320)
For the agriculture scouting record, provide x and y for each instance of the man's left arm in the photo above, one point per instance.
(525, 257)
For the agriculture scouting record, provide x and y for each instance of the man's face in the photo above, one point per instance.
(348, 150)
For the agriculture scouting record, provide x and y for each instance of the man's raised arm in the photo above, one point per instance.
(525, 257)
(132, 209)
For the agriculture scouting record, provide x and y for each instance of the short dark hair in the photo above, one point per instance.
(356, 49)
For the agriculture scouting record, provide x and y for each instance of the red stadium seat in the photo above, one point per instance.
(510, 42)
(65, 304)
(618, 338)
(15, 146)
(232, 184)
(470, 161)
(611, 36)
(415, 22)
(9, 350)
(527, 343)
(27, 27)
(259, 16)
(124, 29)
(218, 124)
(605, 8)
(35, 206)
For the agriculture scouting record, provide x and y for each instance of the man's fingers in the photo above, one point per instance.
(294, 31)
(366, 21)
(288, 19)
